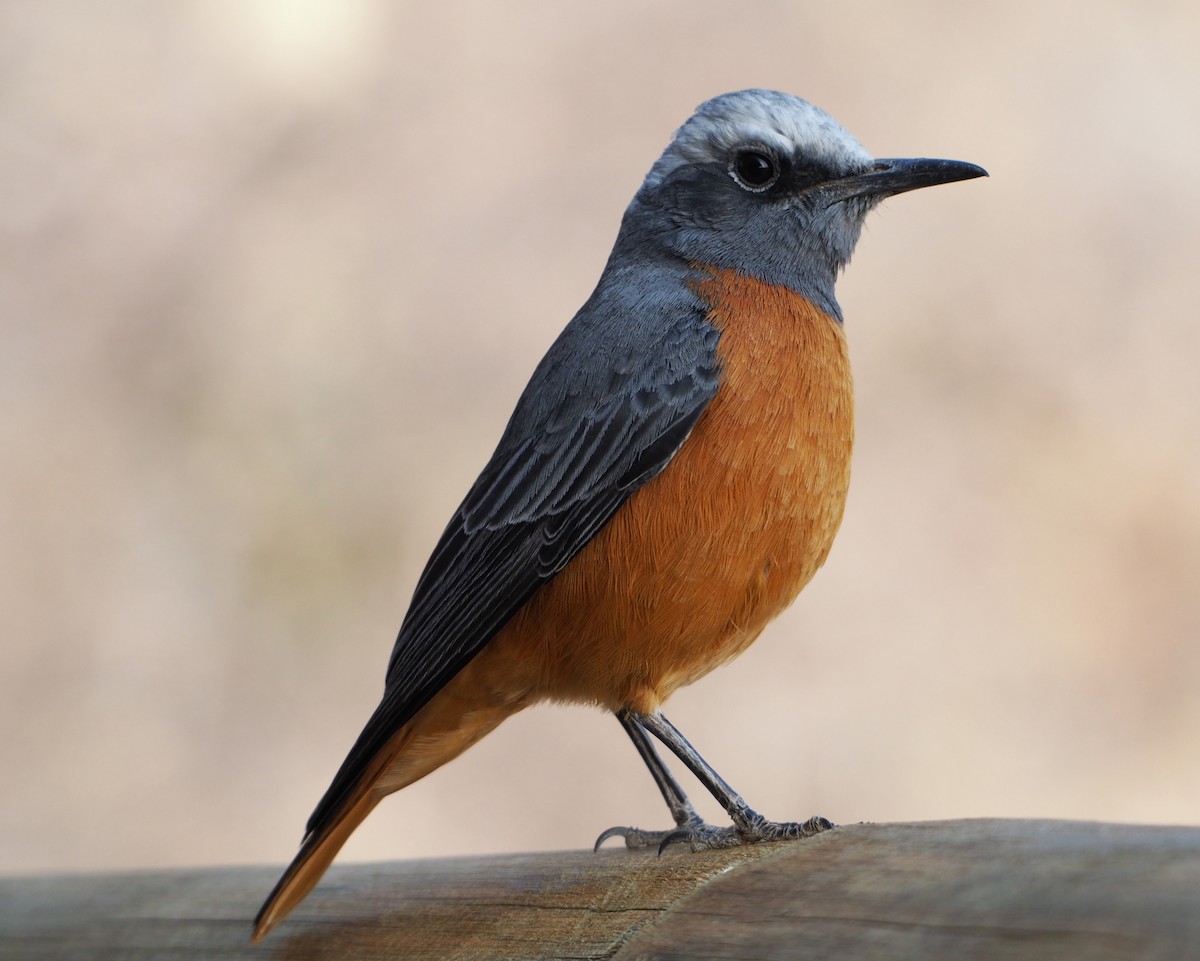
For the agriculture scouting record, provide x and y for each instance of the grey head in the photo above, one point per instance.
(769, 185)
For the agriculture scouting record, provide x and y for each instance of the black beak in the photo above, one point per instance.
(895, 176)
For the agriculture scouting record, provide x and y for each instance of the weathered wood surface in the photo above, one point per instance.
(982, 890)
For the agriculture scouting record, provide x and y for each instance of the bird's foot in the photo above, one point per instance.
(636, 839)
(753, 830)
(699, 835)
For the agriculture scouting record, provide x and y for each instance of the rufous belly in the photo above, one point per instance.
(697, 562)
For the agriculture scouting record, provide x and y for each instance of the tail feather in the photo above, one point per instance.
(453, 721)
(316, 854)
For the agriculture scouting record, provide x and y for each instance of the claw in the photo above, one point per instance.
(674, 837)
(636, 839)
(613, 833)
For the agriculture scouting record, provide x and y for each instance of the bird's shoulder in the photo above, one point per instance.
(638, 358)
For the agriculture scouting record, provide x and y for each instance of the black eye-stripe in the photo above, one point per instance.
(808, 172)
(789, 174)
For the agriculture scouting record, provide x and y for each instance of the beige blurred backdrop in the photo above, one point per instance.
(272, 275)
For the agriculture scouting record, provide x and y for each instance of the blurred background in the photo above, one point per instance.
(273, 273)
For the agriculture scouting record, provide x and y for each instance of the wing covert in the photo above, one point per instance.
(605, 411)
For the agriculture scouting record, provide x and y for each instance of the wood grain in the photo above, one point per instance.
(958, 889)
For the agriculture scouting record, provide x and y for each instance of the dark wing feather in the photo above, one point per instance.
(606, 410)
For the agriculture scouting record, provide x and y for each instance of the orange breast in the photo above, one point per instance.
(696, 563)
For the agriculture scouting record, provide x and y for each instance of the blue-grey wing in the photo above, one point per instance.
(605, 411)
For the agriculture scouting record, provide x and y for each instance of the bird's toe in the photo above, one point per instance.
(706, 837)
(637, 839)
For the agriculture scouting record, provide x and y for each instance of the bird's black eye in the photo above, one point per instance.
(754, 169)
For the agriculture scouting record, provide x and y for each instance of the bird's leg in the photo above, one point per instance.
(749, 826)
(681, 808)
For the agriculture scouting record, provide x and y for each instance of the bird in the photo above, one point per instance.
(671, 477)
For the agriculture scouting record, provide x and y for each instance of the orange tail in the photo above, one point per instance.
(455, 718)
(316, 854)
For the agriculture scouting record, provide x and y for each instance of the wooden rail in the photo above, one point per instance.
(978, 890)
